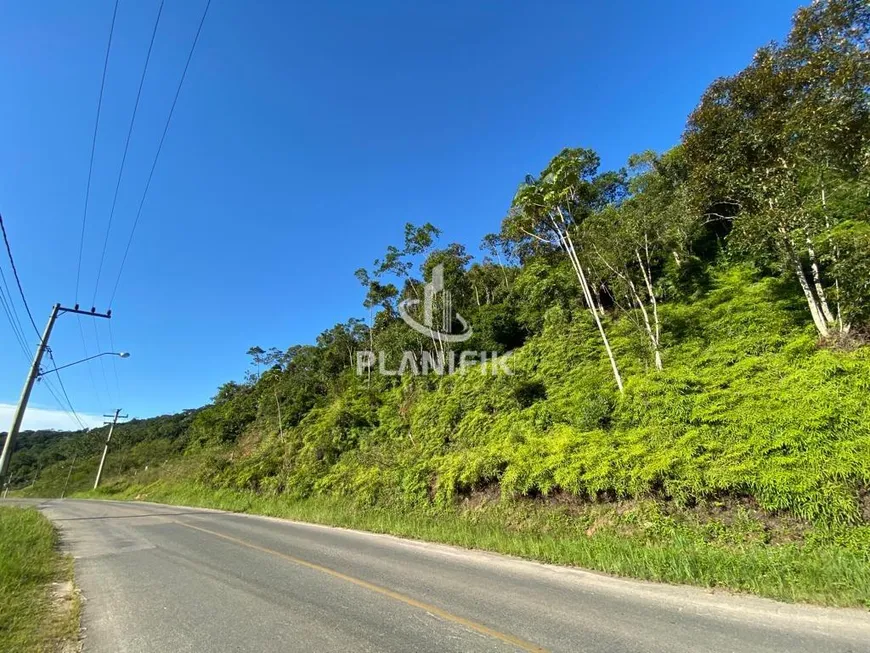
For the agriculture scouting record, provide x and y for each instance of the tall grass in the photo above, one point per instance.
(29, 562)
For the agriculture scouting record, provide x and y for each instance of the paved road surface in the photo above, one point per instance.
(163, 579)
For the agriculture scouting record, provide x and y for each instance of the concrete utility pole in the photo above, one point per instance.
(25, 393)
(111, 426)
(68, 474)
(34, 373)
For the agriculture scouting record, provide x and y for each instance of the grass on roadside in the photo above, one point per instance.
(820, 569)
(30, 619)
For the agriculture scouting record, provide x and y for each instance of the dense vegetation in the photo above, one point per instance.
(688, 355)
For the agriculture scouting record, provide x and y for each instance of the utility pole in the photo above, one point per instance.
(25, 393)
(111, 426)
(34, 373)
(68, 474)
(36, 475)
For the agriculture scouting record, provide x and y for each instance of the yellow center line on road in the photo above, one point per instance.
(438, 612)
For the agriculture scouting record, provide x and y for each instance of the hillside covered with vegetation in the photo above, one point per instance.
(689, 396)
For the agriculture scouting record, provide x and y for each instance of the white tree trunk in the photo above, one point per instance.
(635, 298)
(371, 340)
(503, 271)
(817, 283)
(568, 245)
(812, 302)
(835, 253)
(647, 278)
(649, 330)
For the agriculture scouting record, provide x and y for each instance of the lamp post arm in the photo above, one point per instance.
(84, 360)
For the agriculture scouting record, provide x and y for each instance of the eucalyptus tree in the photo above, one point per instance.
(377, 295)
(400, 262)
(632, 239)
(770, 144)
(494, 245)
(547, 212)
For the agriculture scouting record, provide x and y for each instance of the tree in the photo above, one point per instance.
(770, 144)
(258, 358)
(418, 240)
(632, 239)
(495, 246)
(547, 212)
(489, 282)
(377, 294)
(339, 345)
(227, 392)
(396, 262)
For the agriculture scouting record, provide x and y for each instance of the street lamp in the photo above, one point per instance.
(36, 373)
(119, 354)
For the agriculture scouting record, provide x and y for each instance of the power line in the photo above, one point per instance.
(88, 189)
(16, 328)
(102, 364)
(63, 389)
(88, 364)
(126, 148)
(24, 351)
(114, 361)
(18, 331)
(54, 393)
(17, 279)
(12, 314)
(93, 150)
(159, 148)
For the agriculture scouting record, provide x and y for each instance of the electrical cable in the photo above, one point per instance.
(126, 149)
(17, 278)
(114, 362)
(16, 328)
(63, 389)
(94, 148)
(159, 149)
(102, 363)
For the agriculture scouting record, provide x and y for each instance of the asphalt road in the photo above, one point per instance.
(166, 579)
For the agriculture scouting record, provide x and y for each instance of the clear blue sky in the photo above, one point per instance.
(306, 135)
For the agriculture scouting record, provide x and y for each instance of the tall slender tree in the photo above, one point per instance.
(547, 212)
